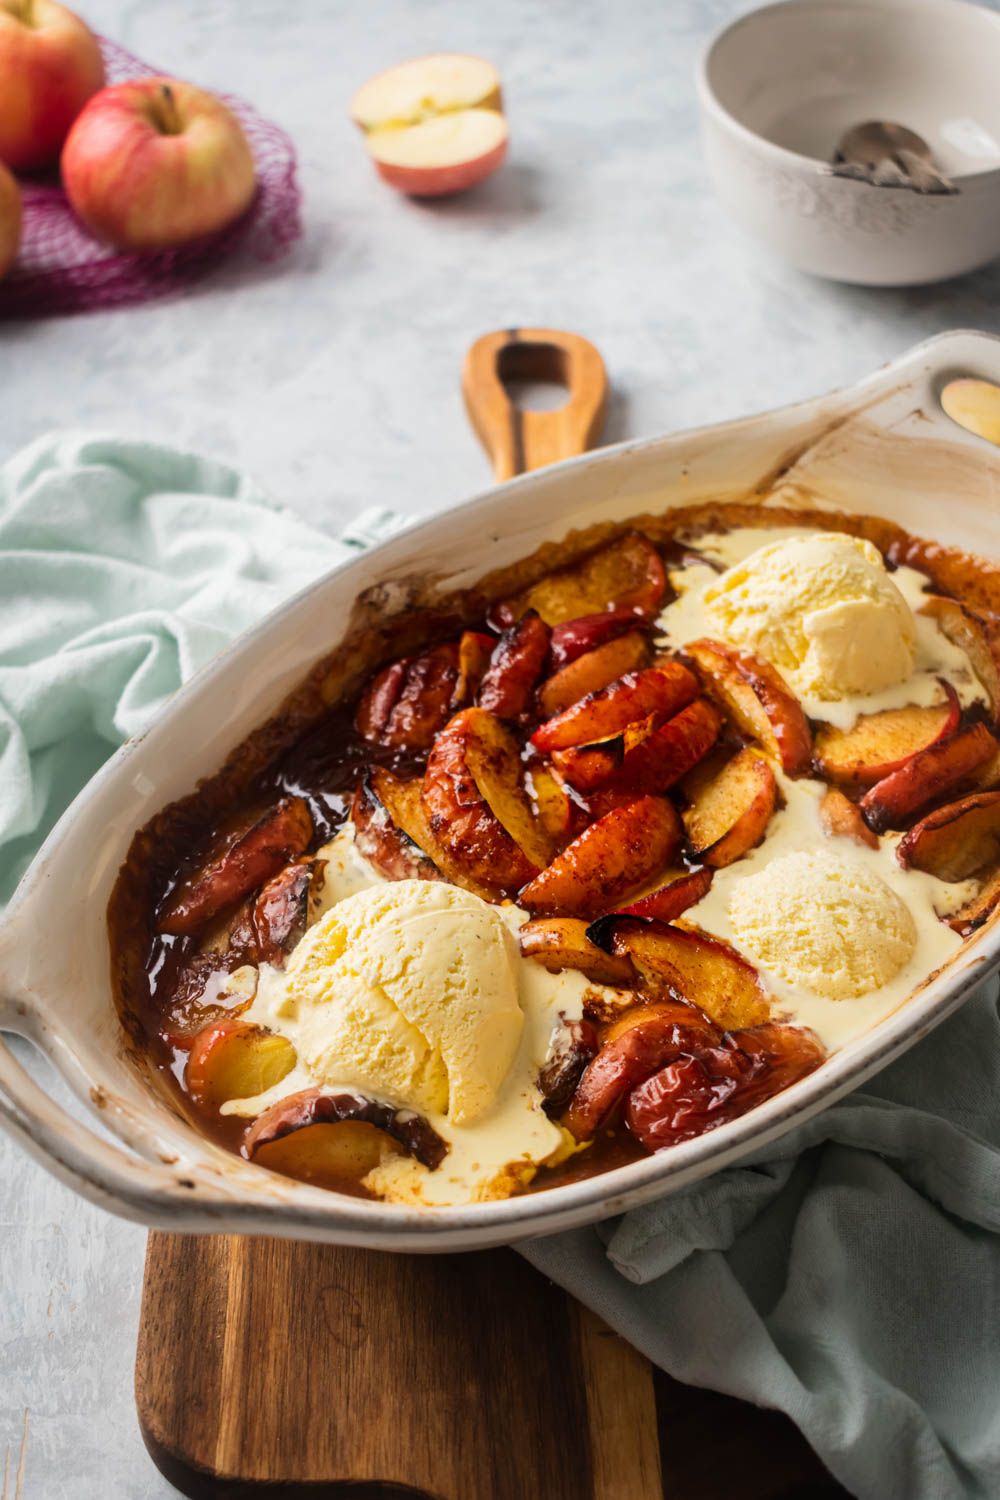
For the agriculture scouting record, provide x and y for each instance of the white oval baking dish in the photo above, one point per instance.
(883, 447)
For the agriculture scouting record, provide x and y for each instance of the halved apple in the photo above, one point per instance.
(312, 1107)
(617, 854)
(476, 805)
(433, 125)
(731, 803)
(562, 943)
(243, 864)
(592, 671)
(514, 667)
(627, 574)
(878, 744)
(672, 898)
(841, 818)
(977, 637)
(758, 700)
(662, 691)
(957, 841)
(900, 797)
(691, 966)
(235, 1060)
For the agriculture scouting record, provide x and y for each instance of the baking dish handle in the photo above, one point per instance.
(150, 1193)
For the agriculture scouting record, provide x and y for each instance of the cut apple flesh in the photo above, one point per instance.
(444, 154)
(899, 798)
(731, 806)
(592, 671)
(562, 943)
(878, 744)
(423, 86)
(311, 1107)
(957, 841)
(841, 818)
(618, 854)
(662, 690)
(328, 1155)
(234, 1060)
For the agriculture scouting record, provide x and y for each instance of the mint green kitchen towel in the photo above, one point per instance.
(849, 1276)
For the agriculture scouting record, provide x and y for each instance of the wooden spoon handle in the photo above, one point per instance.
(517, 440)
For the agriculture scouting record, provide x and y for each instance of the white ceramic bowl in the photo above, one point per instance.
(778, 88)
(884, 447)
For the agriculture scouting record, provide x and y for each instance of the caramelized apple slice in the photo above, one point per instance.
(974, 635)
(879, 744)
(659, 758)
(977, 911)
(625, 575)
(235, 1060)
(515, 667)
(562, 943)
(589, 633)
(311, 1107)
(403, 801)
(697, 1092)
(556, 812)
(730, 808)
(590, 673)
(474, 651)
(273, 924)
(841, 818)
(476, 806)
(636, 696)
(617, 854)
(405, 704)
(758, 700)
(690, 966)
(956, 841)
(573, 1045)
(670, 900)
(635, 1053)
(241, 866)
(589, 767)
(378, 835)
(328, 1155)
(930, 774)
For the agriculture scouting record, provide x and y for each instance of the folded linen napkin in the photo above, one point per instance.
(848, 1275)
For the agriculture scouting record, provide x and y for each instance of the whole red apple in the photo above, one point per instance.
(155, 163)
(50, 65)
(10, 220)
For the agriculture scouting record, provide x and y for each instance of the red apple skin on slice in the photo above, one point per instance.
(472, 795)
(589, 767)
(593, 671)
(588, 633)
(381, 841)
(842, 818)
(243, 865)
(559, 943)
(235, 1060)
(731, 806)
(758, 700)
(441, 156)
(927, 776)
(311, 1107)
(403, 802)
(627, 574)
(957, 841)
(662, 690)
(508, 683)
(618, 854)
(668, 752)
(270, 928)
(670, 900)
(407, 703)
(977, 637)
(879, 744)
(978, 911)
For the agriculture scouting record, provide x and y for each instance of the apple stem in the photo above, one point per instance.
(170, 120)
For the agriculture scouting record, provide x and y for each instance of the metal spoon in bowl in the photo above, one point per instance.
(889, 155)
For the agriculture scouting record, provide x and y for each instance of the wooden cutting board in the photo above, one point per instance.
(266, 1367)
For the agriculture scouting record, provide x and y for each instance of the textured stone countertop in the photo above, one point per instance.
(334, 379)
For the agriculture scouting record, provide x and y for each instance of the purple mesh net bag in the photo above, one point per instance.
(61, 269)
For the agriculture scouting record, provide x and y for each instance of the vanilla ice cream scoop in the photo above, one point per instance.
(407, 989)
(827, 923)
(823, 610)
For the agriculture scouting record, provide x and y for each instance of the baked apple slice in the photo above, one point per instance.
(627, 574)
(658, 758)
(688, 965)
(475, 648)
(562, 943)
(243, 864)
(554, 807)
(619, 853)
(405, 704)
(476, 805)
(660, 691)
(731, 804)
(312, 1107)
(235, 1060)
(593, 671)
(977, 911)
(516, 664)
(878, 744)
(927, 776)
(269, 929)
(330, 1156)
(957, 841)
(757, 699)
(977, 637)
(573, 1045)
(589, 633)
(671, 899)
(589, 767)
(403, 801)
(379, 836)
(841, 818)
